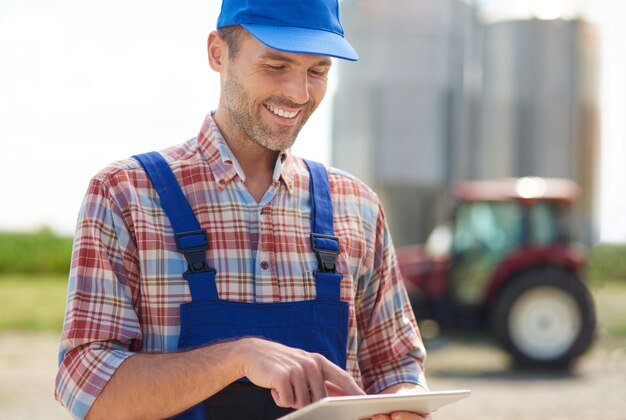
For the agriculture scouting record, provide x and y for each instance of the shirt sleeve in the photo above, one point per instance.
(391, 350)
(101, 326)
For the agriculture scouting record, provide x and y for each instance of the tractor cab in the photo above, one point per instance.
(506, 262)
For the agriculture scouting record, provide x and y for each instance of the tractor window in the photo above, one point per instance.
(543, 229)
(490, 226)
(548, 223)
(485, 233)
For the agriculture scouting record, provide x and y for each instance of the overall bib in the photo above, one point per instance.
(319, 325)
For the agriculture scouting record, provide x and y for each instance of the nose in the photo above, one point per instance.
(296, 87)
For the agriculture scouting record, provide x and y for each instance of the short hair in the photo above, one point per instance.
(233, 36)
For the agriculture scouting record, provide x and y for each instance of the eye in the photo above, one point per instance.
(319, 72)
(275, 67)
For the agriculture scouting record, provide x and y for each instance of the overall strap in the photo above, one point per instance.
(323, 240)
(191, 239)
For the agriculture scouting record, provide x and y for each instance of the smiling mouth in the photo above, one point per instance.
(281, 112)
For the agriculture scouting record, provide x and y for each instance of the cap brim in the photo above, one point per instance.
(303, 41)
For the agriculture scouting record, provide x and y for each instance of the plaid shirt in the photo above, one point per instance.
(126, 283)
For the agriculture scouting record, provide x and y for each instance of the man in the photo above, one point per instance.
(207, 280)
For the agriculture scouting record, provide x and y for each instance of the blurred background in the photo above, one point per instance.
(445, 90)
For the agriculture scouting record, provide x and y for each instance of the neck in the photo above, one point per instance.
(256, 162)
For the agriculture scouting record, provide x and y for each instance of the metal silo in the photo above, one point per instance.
(395, 110)
(540, 102)
(449, 89)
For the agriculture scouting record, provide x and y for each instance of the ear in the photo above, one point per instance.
(218, 51)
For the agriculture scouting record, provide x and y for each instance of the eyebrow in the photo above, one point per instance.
(271, 55)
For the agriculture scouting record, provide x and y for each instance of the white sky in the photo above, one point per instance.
(83, 83)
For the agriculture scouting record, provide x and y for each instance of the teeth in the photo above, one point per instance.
(282, 112)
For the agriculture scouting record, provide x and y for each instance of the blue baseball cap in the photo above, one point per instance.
(296, 26)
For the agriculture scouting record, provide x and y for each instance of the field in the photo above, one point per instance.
(34, 269)
(591, 389)
(32, 303)
(37, 302)
(33, 281)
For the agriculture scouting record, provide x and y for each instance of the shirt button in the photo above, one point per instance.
(222, 181)
(264, 265)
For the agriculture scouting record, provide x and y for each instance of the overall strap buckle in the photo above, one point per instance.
(193, 245)
(326, 248)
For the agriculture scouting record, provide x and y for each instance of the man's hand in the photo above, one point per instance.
(296, 377)
(403, 415)
(162, 385)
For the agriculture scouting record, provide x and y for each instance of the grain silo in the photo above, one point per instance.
(448, 89)
(393, 109)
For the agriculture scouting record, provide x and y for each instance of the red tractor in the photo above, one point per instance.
(506, 262)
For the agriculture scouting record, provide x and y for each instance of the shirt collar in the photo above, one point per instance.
(224, 164)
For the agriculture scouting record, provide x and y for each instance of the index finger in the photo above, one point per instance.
(340, 379)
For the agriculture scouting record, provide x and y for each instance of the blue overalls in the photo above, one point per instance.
(319, 325)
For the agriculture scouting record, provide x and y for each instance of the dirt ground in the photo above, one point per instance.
(594, 389)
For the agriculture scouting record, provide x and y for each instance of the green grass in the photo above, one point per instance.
(37, 303)
(607, 262)
(36, 252)
(610, 309)
(34, 267)
(32, 302)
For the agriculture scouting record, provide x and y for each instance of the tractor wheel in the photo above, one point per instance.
(544, 317)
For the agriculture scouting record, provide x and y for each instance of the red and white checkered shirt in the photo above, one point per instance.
(126, 283)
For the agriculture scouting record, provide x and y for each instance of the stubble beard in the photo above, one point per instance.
(242, 111)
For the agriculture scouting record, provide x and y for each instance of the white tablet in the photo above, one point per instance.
(360, 406)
